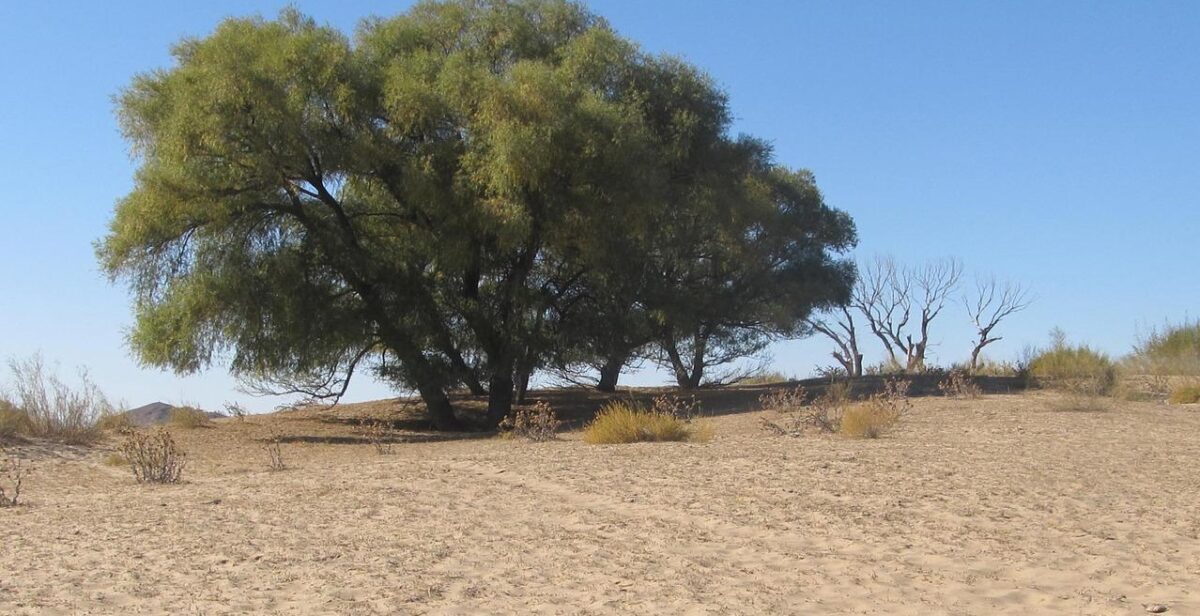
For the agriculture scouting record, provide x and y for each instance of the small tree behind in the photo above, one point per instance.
(900, 303)
(987, 305)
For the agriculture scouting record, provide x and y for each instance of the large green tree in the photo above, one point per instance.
(433, 200)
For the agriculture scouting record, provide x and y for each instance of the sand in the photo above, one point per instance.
(1003, 505)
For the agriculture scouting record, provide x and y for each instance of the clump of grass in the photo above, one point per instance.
(114, 459)
(629, 422)
(958, 384)
(535, 423)
(12, 476)
(189, 418)
(115, 422)
(1174, 350)
(13, 421)
(879, 414)
(1185, 394)
(55, 409)
(1076, 369)
(153, 456)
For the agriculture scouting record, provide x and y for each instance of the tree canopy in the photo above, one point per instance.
(453, 197)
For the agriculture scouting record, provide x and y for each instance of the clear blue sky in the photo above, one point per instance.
(1057, 144)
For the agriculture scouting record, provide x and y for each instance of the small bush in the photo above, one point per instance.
(535, 423)
(115, 459)
(958, 384)
(1186, 394)
(12, 475)
(765, 378)
(686, 409)
(274, 451)
(56, 410)
(1074, 369)
(627, 422)
(115, 422)
(153, 456)
(799, 415)
(879, 414)
(1173, 351)
(189, 418)
(236, 411)
(379, 434)
(13, 421)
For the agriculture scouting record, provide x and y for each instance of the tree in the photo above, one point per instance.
(839, 327)
(990, 303)
(902, 302)
(429, 201)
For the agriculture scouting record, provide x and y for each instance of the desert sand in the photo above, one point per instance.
(1002, 505)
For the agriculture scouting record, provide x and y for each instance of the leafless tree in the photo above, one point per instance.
(990, 303)
(839, 327)
(900, 303)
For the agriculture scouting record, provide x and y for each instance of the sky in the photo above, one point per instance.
(1052, 144)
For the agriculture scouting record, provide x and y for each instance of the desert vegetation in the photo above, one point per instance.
(153, 456)
(667, 419)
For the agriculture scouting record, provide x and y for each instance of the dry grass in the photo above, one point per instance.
(115, 422)
(115, 459)
(153, 456)
(798, 415)
(1185, 394)
(627, 422)
(189, 418)
(272, 446)
(535, 423)
(380, 435)
(879, 414)
(13, 421)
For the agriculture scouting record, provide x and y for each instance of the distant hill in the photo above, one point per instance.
(156, 413)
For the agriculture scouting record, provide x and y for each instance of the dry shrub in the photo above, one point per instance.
(115, 422)
(13, 421)
(115, 459)
(56, 410)
(379, 434)
(958, 384)
(535, 423)
(273, 448)
(799, 415)
(629, 422)
(879, 413)
(153, 456)
(189, 417)
(1185, 394)
(12, 475)
(686, 409)
(236, 411)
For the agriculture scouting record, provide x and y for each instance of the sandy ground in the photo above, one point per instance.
(992, 506)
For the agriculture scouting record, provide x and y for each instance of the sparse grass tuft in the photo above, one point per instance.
(115, 459)
(1185, 394)
(628, 422)
(879, 414)
(379, 433)
(153, 456)
(189, 418)
(536, 423)
(274, 451)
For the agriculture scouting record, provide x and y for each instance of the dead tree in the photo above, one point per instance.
(990, 303)
(900, 303)
(841, 330)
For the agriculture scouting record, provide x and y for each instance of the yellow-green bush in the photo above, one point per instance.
(189, 417)
(879, 414)
(765, 378)
(13, 421)
(1174, 351)
(627, 422)
(115, 422)
(1186, 394)
(1076, 368)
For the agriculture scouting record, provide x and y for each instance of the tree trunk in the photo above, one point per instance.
(610, 372)
(523, 377)
(500, 397)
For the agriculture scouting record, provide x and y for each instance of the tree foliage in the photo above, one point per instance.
(457, 196)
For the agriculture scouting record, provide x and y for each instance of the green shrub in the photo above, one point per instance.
(628, 422)
(1186, 394)
(1074, 368)
(1174, 351)
(189, 418)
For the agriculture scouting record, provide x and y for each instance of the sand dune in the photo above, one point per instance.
(994, 506)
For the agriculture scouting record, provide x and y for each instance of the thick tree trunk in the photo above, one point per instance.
(610, 372)
(500, 397)
(523, 378)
